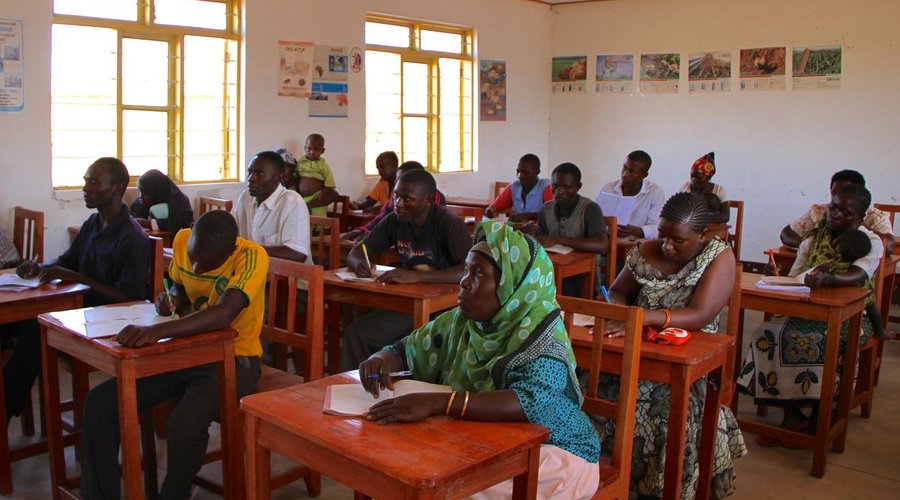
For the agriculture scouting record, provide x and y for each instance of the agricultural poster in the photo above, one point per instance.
(817, 68)
(660, 73)
(12, 67)
(492, 78)
(709, 72)
(615, 74)
(762, 69)
(569, 74)
(294, 68)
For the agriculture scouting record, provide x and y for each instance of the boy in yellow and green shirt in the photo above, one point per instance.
(316, 180)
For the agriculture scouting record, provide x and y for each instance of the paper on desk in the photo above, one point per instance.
(617, 205)
(353, 400)
(108, 328)
(132, 313)
(787, 284)
(348, 275)
(557, 248)
(13, 283)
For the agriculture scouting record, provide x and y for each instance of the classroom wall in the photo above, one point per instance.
(775, 150)
(515, 30)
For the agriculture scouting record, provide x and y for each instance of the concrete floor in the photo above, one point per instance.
(868, 469)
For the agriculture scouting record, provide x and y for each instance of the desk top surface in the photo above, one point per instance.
(43, 291)
(841, 296)
(408, 290)
(435, 450)
(701, 347)
(570, 258)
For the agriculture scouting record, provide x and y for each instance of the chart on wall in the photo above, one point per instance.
(492, 77)
(330, 92)
(569, 74)
(294, 68)
(660, 73)
(762, 69)
(817, 68)
(615, 74)
(709, 72)
(12, 90)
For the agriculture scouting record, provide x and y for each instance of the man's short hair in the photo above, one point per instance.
(421, 177)
(641, 157)
(411, 165)
(389, 156)
(216, 231)
(569, 169)
(851, 176)
(274, 158)
(531, 159)
(118, 172)
(316, 138)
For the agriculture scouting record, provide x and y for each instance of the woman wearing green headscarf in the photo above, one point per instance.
(505, 353)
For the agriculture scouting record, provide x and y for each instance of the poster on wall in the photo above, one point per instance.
(817, 68)
(762, 69)
(569, 74)
(660, 73)
(615, 74)
(294, 68)
(709, 72)
(12, 66)
(330, 64)
(492, 76)
(328, 100)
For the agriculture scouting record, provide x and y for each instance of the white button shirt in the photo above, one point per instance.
(647, 206)
(282, 219)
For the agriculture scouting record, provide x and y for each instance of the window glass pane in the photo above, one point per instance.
(145, 141)
(441, 41)
(83, 100)
(209, 100)
(387, 34)
(415, 88)
(450, 114)
(145, 72)
(109, 9)
(382, 105)
(415, 140)
(195, 13)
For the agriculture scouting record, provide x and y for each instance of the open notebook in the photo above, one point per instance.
(348, 275)
(792, 284)
(353, 401)
(110, 320)
(13, 283)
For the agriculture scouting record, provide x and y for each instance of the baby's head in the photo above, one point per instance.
(315, 146)
(853, 244)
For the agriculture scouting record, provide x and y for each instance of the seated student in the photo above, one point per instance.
(9, 256)
(715, 195)
(219, 281)
(316, 181)
(439, 199)
(525, 195)
(161, 199)
(271, 215)
(649, 197)
(381, 194)
(875, 220)
(572, 220)
(432, 242)
(111, 254)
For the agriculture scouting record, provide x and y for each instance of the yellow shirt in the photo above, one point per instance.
(381, 193)
(245, 270)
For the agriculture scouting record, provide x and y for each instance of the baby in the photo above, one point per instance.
(316, 182)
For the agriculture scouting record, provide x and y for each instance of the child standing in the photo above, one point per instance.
(316, 180)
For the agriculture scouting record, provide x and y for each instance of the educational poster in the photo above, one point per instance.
(762, 69)
(356, 59)
(330, 64)
(569, 74)
(492, 76)
(294, 68)
(709, 72)
(12, 67)
(615, 74)
(660, 73)
(328, 100)
(817, 68)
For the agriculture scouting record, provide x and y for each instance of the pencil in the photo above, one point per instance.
(366, 255)
(772, 260)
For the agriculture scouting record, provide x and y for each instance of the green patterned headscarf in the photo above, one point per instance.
(472, 355)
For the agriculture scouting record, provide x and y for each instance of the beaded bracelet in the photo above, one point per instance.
(450, 403)
(668, 314)
(465, 405)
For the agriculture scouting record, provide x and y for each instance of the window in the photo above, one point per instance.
(419, 93)
(153, 82)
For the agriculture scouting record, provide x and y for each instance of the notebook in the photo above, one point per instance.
(13, 283)
(109, 321)
(792, 284)
(557, 248)
(348, 275)
(352, 400)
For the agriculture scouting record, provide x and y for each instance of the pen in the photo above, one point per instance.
(366, 255)
(772, 260)
(34, 262)
(404, 373)
(169, 295)
(605, 293)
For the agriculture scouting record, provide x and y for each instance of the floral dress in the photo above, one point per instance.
(659, 291)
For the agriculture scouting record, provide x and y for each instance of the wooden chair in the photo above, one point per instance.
(609, 265)
(325, 238)
(208, 203)
(340, 210)
(28, 233)
(732, 326)
(892, 212)
(499, 186)
(737, 223)
(869, 361)
(615, 471)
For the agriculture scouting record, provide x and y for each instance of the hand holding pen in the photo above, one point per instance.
(364, 269)
(29, 268)
(772, 267)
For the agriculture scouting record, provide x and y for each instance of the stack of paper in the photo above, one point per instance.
(352, 400)
(348, 275)
(791, 284)
(616, 205)
(13, 283)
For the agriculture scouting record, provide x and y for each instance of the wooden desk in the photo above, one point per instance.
(469, 202)
(574, 264)
(435, 458)
(829, 305)
(65, 332)
(19, 306)
(357, 218)
(679, 366)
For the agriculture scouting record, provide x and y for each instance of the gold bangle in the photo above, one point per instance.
(465, 405)
(668, 314)
(450, 403)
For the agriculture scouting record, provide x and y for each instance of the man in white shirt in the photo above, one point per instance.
(269, 214)
(649, 197)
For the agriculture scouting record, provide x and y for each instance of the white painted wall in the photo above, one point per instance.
(514, 30)
(775, 150)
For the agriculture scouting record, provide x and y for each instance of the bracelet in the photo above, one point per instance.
(465, 405)
(450, 403)
(668, 314)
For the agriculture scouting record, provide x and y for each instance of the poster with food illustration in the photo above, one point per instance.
(294, 68)
(615, 74)
(762, 69)
(709, 72)
(492, 77)
(569, 74)
(660, 73)
(817, 68)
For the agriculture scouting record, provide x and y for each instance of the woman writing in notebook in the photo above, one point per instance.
(505, 353)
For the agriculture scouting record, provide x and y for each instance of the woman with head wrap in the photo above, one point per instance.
(702, 171)
(505, 352)
(161, 199)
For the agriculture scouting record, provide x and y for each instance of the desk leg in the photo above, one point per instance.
(421, 309)
(232, 452)
(847, 382)
(589, 279)
(823, 428)
(525, 485)
(678, 405)
(128, 431)
(334, 336)
(55, 446)
(5, 459)
(258, 461)
(709, 431)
